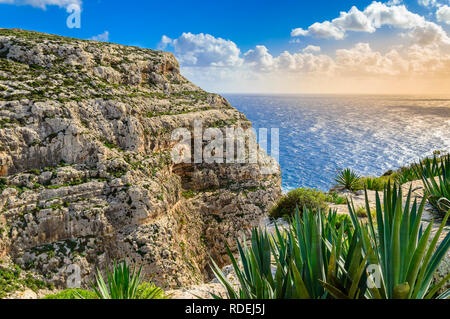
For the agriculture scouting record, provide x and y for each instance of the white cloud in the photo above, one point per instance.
(165, 41)
(311, 49)
(43, 3)
(429, 33)
(354, 20)
(104, 37)
(296, 32)
(443, 14)
(326, 30)
(378, 15)
(204, 50)
(395, 16)
(260, 59)
(361, 60)
(321, 30)
(356, 68)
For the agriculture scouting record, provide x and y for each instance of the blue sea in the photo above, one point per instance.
(321, 134)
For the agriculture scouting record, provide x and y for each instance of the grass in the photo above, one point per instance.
(69, 294)
(144, 291)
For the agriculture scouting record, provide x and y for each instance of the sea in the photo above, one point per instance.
(322, 134)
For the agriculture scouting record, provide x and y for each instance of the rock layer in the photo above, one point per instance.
(86, 170)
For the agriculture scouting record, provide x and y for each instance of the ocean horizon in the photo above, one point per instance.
(321, 134)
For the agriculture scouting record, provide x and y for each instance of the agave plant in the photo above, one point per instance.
(348, 179)
(299, 262)
(123, 283)
(435, 175)
(400, 249)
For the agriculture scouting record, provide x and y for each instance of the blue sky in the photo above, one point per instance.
(248, 22)
(254, 36)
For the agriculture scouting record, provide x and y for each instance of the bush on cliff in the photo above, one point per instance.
(301, 197)
(435, 175)
(143, 292)
(73, 294)
(124, 282)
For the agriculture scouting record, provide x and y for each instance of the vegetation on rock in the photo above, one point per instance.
(301, 197)
(435, 175)
(122, 282)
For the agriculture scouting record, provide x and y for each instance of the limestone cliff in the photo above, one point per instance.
(86, 174)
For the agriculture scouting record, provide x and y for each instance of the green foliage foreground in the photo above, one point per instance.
(315, 259)
(435, 175)
(121, 282)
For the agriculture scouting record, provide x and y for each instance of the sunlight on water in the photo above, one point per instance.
(371, 134)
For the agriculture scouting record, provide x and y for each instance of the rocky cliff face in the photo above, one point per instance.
(86, 172)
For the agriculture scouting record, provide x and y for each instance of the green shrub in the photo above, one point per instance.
(148, 290)
(73, 294)
(336, 199)
(144, 291)
(374, 183)
(361, 212)
(348, 179)
(122, 282)
(343, 219)
(301, 197)
(404, 175)
(435, 175)
(12, 279)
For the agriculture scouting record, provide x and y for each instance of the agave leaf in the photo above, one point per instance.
(335, 292)
(438, 286)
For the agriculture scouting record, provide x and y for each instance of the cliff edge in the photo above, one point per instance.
(86, 172)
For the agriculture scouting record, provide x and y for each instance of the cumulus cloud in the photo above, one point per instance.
(260, 59)
(311, 49)
(361, 60)
(429, 33)
(354, 20)
(443, 14)
(165, 41)
(104, 37)
(321, 30)
(375, 16)
(204, 50)
(44, 3)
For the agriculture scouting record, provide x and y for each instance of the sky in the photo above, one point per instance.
(284, 46)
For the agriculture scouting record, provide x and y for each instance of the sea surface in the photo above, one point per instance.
(320, 134)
